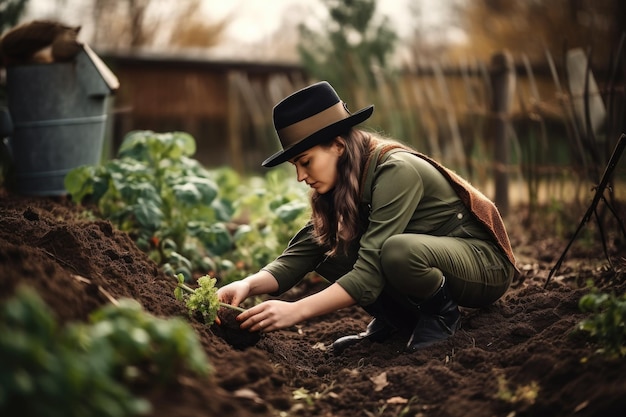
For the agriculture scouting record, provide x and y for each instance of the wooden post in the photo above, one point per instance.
(234, 122)
(502, 74)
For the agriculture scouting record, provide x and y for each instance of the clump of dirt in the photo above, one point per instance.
(229, 330)
(520, 356)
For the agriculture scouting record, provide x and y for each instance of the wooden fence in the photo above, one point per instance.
(521, 132)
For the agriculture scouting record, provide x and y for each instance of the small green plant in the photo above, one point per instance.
(523, 393)
(203, 299)
(303, 394)
(607, 321)
(83, 369)
(402, 407)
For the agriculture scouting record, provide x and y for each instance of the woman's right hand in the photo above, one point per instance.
(234, 293)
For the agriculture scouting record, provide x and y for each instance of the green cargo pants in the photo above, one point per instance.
(477, 272)
(413, 264)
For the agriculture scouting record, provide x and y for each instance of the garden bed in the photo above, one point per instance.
(519, 357)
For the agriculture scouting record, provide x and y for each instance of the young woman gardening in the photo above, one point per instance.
(392, 231)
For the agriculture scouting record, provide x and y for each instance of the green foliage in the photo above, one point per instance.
(607, 321)
(350, 46)
(45, 372)
(81, 370)
(203, 299)
(188, 219)
(163, 347)
(274, 209)
(164, 199)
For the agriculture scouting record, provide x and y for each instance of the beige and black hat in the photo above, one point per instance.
(310, 116)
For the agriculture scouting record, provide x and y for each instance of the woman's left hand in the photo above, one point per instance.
(270, 315)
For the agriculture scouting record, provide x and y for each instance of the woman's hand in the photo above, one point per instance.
(234, 293)
(270, 315)
(274, 315)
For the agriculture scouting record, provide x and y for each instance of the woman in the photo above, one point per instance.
(392, 230)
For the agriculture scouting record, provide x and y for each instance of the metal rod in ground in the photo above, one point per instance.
(602, 237)
(606, 177)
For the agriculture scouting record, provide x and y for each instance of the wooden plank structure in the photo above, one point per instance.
(225, 105)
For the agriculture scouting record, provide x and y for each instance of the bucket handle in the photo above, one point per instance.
(6, 124)
(6, 128)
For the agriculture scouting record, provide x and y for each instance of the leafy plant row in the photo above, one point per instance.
(191, 220)
(86, 369)
(606, 322)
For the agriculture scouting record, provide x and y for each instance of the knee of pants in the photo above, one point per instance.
(395, 255)
(408, 267)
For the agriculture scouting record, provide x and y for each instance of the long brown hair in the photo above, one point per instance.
(336, 215)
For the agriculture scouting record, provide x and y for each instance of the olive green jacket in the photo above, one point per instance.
(405, 193)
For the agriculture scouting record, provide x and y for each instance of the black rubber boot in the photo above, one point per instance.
(378, 330)
(438, 319)
(390, 316)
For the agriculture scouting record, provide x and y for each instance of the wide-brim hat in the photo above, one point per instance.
(310, 116)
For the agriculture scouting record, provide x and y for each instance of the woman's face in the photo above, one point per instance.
(318, 166)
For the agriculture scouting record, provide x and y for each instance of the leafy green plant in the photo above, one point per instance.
(47, 370)
(83, 369)
(607, 321)
(162, 197)
(203, 299)
(271, 212)
(186, 218)
(162, 347)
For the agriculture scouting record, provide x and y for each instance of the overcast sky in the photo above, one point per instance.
(255, 20)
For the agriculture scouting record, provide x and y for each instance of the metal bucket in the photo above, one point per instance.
(58, 112)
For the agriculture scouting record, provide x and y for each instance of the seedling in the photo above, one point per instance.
(203, 299)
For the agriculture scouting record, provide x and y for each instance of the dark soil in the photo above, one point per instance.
(229, 330)
(519, 357)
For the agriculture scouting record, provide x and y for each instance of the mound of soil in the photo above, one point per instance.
(519, 357)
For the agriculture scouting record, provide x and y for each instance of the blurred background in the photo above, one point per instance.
(523, 97)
